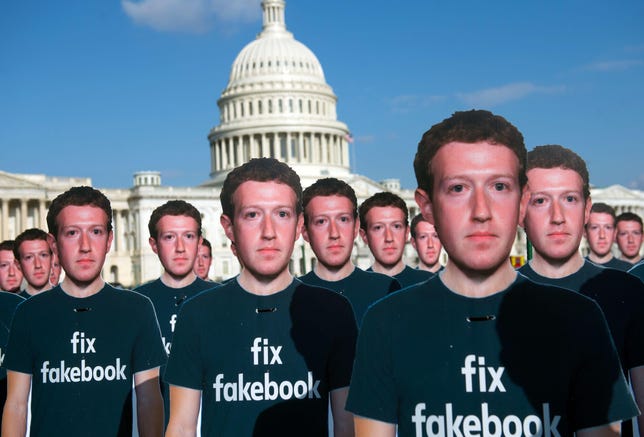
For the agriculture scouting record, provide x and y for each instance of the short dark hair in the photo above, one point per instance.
(329, 187)
(603, 208)
(32, 234)
(175, 208)
(8, 245)
(205, 242)
(555, 156)
(78, 196)
(628, 217)
(259, 170)
(414, 224)
(468, 127)
(384, 198)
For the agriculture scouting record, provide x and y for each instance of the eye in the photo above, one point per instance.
(458, 188)
(190, 236)
(571, 199)
(500, 186)
(320, 221)
(251, 215)
(538, 201)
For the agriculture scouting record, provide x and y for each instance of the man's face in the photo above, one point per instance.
(427, 243)
(10, 274)
(176, 244)
(386, 234)
(629, 238)
(82, 243)
(331, 229)
(476, 203)
(264, 228)
(600, 233)
(556, 212)
(35, 262)
(202, 264)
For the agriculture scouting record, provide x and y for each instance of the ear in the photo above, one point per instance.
(299, 226)
(424, 204)
(153, 245)
(363, 235)
(110, 237)
(227, 224)
(51, 240)
(356, 228)
(413, 243)
(305, 234)
(589, 205)
(523, 206)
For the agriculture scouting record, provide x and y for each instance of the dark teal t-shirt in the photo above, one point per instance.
(614, 263)
(360, 287)
(167, 302)
(8, 304)
(82, 354)
(531, 358)
(638, 270)
(265, 364)
(621, 298)
(410, 276)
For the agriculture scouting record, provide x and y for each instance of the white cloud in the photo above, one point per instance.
(410, 102)
(622, 65)
(638, 183)
(193, 16)
(514, 91)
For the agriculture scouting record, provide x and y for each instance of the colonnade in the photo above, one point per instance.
(290, 147)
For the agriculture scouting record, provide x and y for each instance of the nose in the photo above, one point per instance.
(602, 232)
(430, 242)
(84, 242)
(333, 229)
(481, 210)
(268, 228)
(557, 215)
(388, 234)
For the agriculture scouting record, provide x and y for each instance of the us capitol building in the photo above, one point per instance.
(276, 104)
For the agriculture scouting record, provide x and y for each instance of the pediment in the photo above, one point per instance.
(9, 180)
(616, 192)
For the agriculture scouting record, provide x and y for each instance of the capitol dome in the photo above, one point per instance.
(277, 104)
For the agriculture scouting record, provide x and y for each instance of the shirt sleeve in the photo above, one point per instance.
(600, 394)
(635, 329)
(148, 350)
(372, 393)
(341, 359)
(185, 366)
(19, 357)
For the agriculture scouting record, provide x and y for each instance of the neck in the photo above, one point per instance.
(478, 284)
(76, 289)
(433, 268)
(261, 285)
(390, 270)
(177, 281)
(32, 291)
(632, 259)
(330, 273)
(600, 259)
(556, 268)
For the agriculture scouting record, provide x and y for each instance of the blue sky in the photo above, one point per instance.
(103, 89)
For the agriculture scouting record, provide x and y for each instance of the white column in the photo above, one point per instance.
(42, 214)
(23, 215)
(300, 146)
(4, 223)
